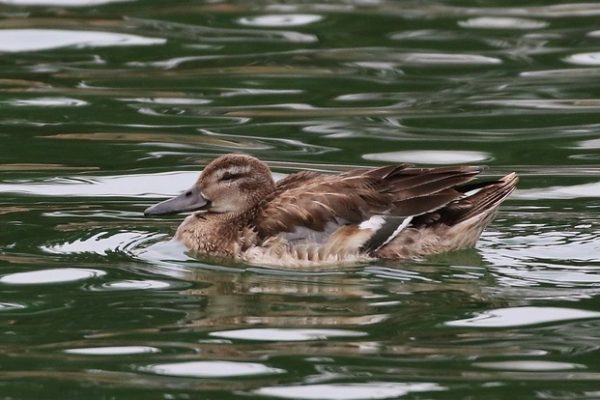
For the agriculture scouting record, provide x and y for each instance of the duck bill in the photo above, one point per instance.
(190, 200)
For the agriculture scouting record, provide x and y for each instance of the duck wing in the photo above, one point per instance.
(322, 203)
(418, 191)
(315, 201)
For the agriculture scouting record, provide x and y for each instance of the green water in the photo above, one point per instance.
(108, 108)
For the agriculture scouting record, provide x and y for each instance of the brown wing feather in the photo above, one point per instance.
(433, 189)
(294, 180)
(313, 200)
(490, 196)
(425, 204)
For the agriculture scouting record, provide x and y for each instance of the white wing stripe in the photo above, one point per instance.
(399, 229)
(375, 223)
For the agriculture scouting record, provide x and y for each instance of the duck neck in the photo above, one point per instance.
(213, 233)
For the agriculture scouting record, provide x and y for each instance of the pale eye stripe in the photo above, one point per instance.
(234, 170)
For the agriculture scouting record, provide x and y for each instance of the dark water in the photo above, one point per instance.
(107, 107)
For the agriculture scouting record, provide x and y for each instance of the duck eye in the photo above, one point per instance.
(228, 176)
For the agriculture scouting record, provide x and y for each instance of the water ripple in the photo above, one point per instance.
(220, 35)
(211, 369)
(276, 20)
(47, 102)
(113, 350)
(131, 284)
(528, 365)
(56, 275)
(502, 23)
(430, 156)
(584, 58)
(60, 3)
(521, 316)
(286, 334)
(19, 40)
(348, 391)
(99, 127)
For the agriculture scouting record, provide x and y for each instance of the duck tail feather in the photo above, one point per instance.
(486, 197)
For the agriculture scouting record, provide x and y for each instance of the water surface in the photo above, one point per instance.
(109, 106)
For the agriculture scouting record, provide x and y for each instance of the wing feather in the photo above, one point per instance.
(314, 200)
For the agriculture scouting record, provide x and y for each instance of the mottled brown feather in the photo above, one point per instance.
(312, 200)
(316, 199)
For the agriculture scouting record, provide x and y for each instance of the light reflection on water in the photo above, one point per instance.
(20, 40)
(61, 3)
(112, 105)
(211, 369)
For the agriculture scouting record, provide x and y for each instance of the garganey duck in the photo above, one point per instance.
(312, 218)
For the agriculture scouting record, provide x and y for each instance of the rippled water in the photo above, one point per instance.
(108, 106)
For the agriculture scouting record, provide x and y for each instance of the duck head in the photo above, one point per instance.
(230, 184)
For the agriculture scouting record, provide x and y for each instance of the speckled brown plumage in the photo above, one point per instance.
(395, 212)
